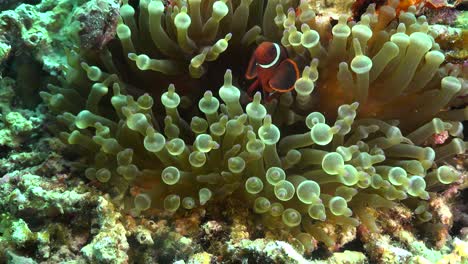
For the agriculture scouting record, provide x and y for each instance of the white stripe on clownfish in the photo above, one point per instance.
(278, 51)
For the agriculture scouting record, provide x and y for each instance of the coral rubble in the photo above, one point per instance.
(31, 202)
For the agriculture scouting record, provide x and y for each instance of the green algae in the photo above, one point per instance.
(462, 20)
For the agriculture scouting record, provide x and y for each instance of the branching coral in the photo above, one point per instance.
(299, 163)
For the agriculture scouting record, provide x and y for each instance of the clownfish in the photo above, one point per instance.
(274, 72)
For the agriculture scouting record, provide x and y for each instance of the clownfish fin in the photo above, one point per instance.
(252, 88)
(251, 72)
(285, 76)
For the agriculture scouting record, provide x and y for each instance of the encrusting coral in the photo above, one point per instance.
(330, 152)
(16, 125)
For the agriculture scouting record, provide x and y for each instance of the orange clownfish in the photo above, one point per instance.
(274, 72)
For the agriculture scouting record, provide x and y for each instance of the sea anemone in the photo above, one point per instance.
(329, 152)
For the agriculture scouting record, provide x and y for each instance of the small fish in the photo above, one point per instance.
(272, 70)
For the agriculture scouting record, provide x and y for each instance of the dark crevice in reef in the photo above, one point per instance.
(70, 219)
(465, 131)
(4, 151)
(28, 249)
(31, 2)
(321, 252)
(30, 79)
(462, 212)
(29, 76)
(34, 223)
(12, 4)
(462, 6)
(355, 245)
(258, 232)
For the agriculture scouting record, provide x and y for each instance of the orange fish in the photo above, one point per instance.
(272, 70)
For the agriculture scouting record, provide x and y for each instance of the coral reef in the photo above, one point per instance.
(45, 30)
(110, 244)
(181, 166)
(18, 128)
(45, 205)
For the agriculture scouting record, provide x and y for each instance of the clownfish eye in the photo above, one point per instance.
(275, 60)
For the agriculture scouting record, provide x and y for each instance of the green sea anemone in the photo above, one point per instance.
(324, 153)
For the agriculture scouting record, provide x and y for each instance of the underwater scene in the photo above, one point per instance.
(234, 131)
